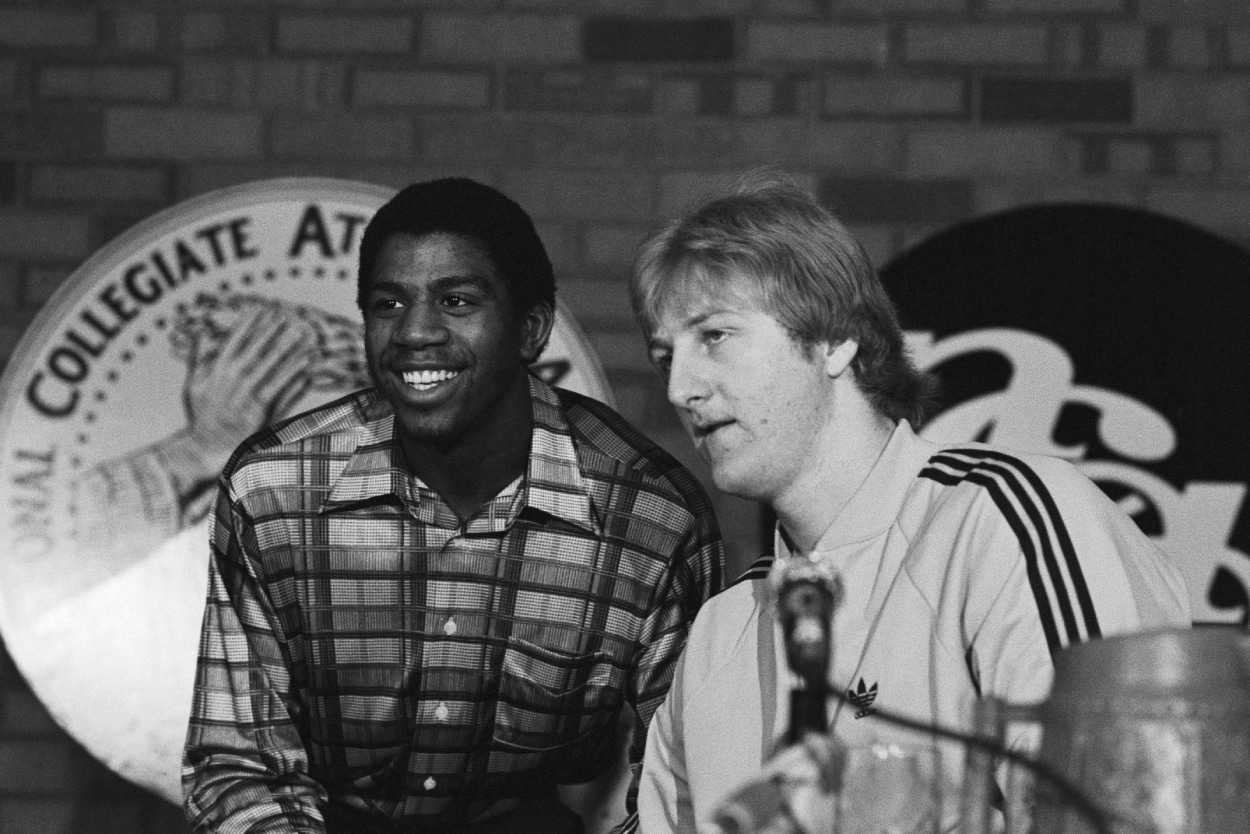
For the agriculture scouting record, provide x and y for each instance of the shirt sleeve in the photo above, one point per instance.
(698, 574)
(245, 767)
(1078, 569)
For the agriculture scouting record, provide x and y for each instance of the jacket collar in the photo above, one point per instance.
(876, 504)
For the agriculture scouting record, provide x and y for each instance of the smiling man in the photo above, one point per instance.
(963, 567)
(434, 604)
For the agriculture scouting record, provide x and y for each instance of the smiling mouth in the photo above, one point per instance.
(425, 380)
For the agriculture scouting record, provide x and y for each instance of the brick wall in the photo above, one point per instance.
(600, 116)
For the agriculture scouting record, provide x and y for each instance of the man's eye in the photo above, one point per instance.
(457, 300)
(712, 337)
(382, 304)
(663, 362)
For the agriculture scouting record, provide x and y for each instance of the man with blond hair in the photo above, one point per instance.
(963, 567)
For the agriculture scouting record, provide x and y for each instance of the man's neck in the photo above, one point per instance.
(813, 503)
(466, 482)
(473, 469)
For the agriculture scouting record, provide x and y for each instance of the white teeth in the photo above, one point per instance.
(425, 380)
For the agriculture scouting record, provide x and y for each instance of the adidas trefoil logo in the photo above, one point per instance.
(862, 697)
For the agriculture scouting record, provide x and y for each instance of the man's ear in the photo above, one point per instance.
(536, 327)
(838, 357)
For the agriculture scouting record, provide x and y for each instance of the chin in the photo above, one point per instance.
(732, 483)
(426, 430)
(744, 480)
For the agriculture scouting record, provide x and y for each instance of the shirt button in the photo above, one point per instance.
(429, 783)
(442, 713)
(450, 627)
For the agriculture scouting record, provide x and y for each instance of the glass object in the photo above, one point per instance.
(1019, 798)
(890, 788)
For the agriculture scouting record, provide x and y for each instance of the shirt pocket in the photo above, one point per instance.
(550, 700)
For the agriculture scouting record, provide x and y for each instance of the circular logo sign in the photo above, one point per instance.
(119, 408)
(1112, 337)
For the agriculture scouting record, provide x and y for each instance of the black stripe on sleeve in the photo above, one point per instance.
(1033, 517)
(757, 570)
(1077, 575)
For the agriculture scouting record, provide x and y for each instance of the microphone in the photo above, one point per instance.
(804, 595)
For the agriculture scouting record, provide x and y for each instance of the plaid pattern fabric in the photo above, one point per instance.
(361, 643)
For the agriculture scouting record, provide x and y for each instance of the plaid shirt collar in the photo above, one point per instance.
(553, 481)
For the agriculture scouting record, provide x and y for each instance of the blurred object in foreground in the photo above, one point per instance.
(1152, 728)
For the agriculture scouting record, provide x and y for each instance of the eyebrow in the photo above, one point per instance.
(693, 321)
(441, 284)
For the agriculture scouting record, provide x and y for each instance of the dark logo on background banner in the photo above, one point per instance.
(1114, 338)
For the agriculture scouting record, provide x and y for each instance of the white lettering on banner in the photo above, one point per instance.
(1197, 519)
(1023, 416)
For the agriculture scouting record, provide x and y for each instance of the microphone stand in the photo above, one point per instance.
(804, 594)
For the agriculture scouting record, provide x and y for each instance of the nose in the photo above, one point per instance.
(688, 384)
(421, 326)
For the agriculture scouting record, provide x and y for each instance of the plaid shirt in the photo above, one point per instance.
(361, 643)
